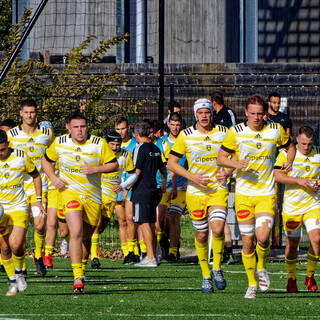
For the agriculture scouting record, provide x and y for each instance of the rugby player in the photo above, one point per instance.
(128, 238)
(254, 142)
(175, 196)
(14, 164)
(33, 139)
(207, 193)
(111, 185)
(82, 158)
(301, 205)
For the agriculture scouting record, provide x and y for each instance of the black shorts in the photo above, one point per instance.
(144, 212)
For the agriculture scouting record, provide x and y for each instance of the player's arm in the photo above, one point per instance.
(227, 159)
(163, 172)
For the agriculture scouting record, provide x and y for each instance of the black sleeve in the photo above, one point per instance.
(140, 158)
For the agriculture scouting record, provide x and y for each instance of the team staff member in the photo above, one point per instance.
(82, 158)
(254, 142)
(301, 205)
(33, 139)
(110, 184)
(14, 164)
(145, 194)
(207, 192)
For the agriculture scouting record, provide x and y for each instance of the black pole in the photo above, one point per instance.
(22, 40)
(161, 59)
(171, 97)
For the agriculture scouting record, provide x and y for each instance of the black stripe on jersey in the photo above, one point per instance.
(176, 154)
(62, 139)
(47, 158)
(124, 152)
(273, 125)
(95, 140)
(132, 171)
(187, 131)
(286, 144)
(222, 128)
(20, 153)
(14, 132)
(227, 149)
(113, 160)
(34, 172)
(238, 128)
(277, 167)
(318, 149)
(45, 131)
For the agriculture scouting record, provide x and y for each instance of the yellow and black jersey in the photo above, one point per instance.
(108, 180)
(201, 151)
(259, 148)
(35, 145)
(95, 151)
(298, 199)
(12, 174)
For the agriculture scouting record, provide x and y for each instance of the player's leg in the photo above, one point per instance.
(132, 246)
(121, 216)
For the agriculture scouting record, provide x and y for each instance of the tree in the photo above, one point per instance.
(58, 92)
(5, 23)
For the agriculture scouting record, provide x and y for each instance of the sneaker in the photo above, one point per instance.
(292, 286)
(207, 285)
(219, 279)
(171, 258)
(13, 289)
(131, 258)
(95, 263)
(251, 292)
(48, 261)
(78, 285)
(264, 281)
(147, 262)
(126, 259)
(143, 255)
(310, 282)
(21, 282)
(64, 247)
(41, 269)
(231, 259)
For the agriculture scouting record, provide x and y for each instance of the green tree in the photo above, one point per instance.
(59, 91)
(5, 23)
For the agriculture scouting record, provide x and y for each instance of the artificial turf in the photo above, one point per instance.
(171, 291)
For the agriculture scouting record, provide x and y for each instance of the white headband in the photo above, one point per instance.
(202, 104)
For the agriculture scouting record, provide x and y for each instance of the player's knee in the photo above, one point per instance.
(247, 229)
(200, 226)
(217, 214)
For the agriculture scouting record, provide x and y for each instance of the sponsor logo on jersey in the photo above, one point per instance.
(207, 138)
(259, 145)
(73, 204)
(31, 140)
(242, 214)
(7, 175)
(307, 160)
(292, 224)
(198, 213)
(208, 147)
(308, 168)
(78, 158)
(258, 136)
(6, 166)
(61, 214)
(31, 149)
(78, 149)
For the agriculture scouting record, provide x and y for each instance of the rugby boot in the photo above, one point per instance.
(48, 261)
(310, 282)
(292, 286)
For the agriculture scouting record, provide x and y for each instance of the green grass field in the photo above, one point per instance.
(171, 291)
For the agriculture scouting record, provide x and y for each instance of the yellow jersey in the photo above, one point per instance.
(201, 150)
(109, 180)
(298, 199)
(95, 151)
(35, 145)
(12, 174)
(259, 147)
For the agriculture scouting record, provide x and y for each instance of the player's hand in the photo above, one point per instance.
(39, 205)
(243, 164)
(117, 188)
(287, 166)
(201, 179)
(124, 194)
(59, 183)
(307, 183)
(221, 176)
(86, 168)
(173, 193)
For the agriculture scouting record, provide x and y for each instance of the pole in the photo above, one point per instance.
(161, 59)
(22, 40)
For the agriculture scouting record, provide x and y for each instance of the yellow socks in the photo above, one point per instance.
(48, 250)
(173, 250)
(19, 262)
(136, 248)
(143, 247)
(130, 245)
(124, 248)
(291, 268)
(77, 270)
(84, 265)
(217, 251)
(159, 236)
(9, 267)
(39, 243)
(311, 264)
(262, 254)
(202, 252)
(94, 246)
(249, 262)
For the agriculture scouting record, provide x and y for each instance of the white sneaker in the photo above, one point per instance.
(64, 247)
(251, 293)
(21, 282)
(146, 262)
(264, 281)
(13, 289)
